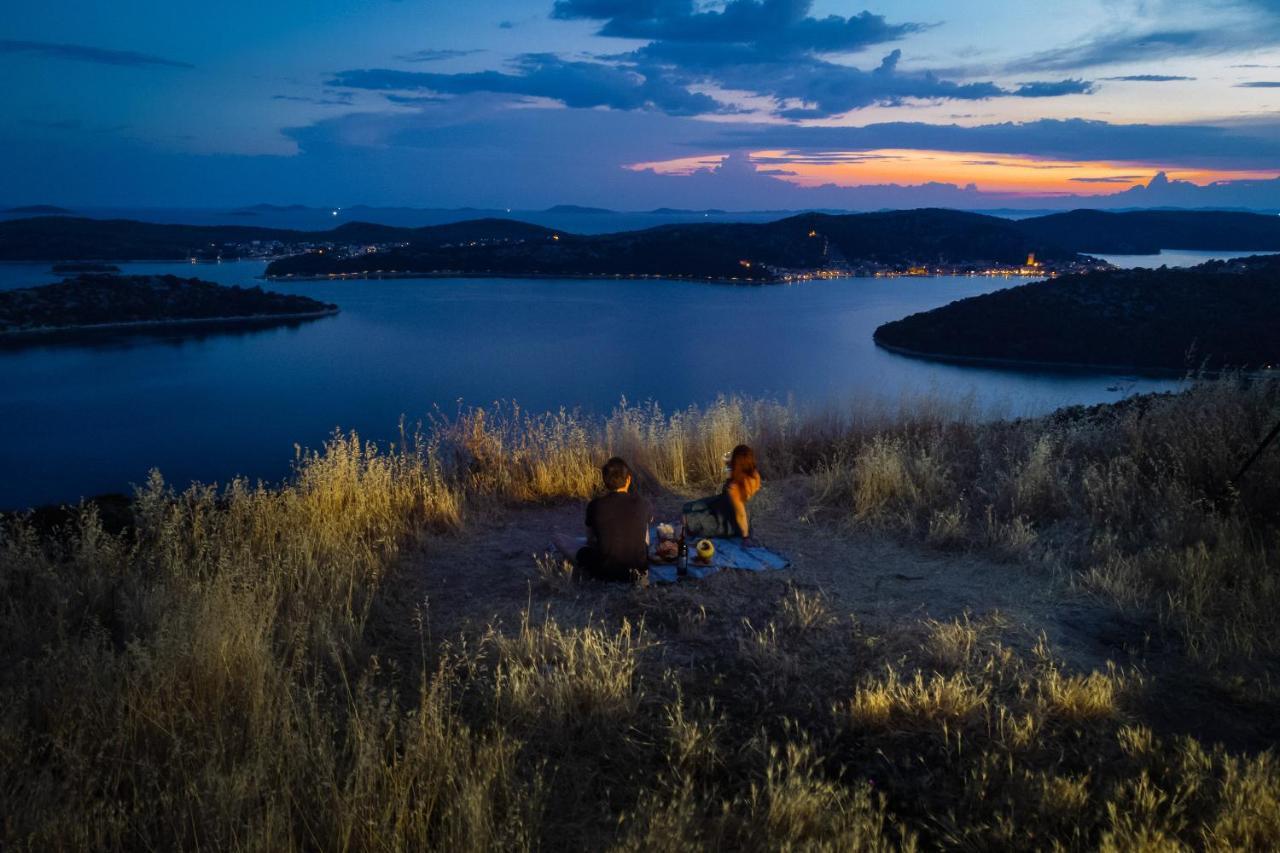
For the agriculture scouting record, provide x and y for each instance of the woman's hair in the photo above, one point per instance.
(742, 470)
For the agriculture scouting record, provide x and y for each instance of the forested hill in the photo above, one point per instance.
(1219, 314)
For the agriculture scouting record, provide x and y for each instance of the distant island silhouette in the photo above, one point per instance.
(40, 209)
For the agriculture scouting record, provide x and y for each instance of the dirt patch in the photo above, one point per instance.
(488, 575)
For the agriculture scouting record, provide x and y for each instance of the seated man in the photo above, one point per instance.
(617, 529)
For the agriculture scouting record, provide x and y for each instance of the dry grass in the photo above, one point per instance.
(208, 677)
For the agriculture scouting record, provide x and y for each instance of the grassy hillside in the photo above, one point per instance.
(248, 668)
(1219, 314)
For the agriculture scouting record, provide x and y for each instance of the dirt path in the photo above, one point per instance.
(488, 574)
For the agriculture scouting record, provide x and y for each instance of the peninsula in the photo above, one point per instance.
(92, 303)
(1221, 314)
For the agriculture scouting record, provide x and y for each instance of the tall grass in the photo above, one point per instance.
(207, 677)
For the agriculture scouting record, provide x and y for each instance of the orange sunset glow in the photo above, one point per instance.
(995, 173)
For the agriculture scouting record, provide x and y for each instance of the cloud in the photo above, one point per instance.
(1053, 88)
(85, 53)
(334, 99)
(573, 83)
(1252, 146)
(1255, 25)
(1259, 84)
(766, 29)
(435, 55)
(1110, 179)
(772, 49)
(414, 100)
(809, 88)
(1123, 47)
(1148, 78)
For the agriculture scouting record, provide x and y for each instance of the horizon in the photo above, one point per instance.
(744, 105)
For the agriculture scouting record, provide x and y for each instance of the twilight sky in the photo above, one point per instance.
(634, 104)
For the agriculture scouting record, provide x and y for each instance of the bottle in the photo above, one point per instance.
(682, 562)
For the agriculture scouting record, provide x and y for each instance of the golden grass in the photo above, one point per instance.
(208, 678)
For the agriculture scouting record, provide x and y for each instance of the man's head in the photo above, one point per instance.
(616, 474)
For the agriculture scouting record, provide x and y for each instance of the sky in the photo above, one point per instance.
(636, 104)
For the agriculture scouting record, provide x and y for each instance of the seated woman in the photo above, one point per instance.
(725, 514)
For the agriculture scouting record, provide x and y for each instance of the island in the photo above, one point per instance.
(1218, 315)
(96, 303)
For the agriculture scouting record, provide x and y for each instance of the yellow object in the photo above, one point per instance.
(705, 549)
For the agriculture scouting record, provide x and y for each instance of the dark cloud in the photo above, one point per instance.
(1259, 84)
(808, 88)
(1110, 179)
(576, 84)
(1053, 88)
(1122, 47)
(85, 53)
(414, 100)
(772, 49)
(434, 55)
(766, 29)
(1125, 45)
(1148, 78)
(332, 100)
(1254, 146)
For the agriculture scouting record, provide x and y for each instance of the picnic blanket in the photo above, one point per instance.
(730, 554)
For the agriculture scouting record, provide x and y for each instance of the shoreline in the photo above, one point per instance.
(178, 322)
(1065, 366)
(797, 279)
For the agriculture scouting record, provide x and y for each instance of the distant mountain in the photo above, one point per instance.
(1219, 314)
(1145, 232)
(575, 208)
(39, 210)
(272, 208)
(677, 211)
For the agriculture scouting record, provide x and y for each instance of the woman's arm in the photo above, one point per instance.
(739, 510)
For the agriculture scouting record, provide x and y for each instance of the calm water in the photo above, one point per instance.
(85, 419)
(1174, 258)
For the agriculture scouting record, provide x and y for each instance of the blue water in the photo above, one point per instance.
(1174, 258)
(89, 418)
